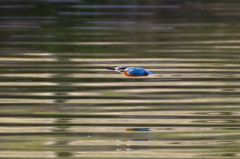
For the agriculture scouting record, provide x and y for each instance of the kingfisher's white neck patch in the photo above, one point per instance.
(127, 69)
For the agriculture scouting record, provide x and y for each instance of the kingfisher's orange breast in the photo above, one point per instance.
(127, 74)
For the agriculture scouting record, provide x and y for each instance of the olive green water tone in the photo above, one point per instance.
(57, 100)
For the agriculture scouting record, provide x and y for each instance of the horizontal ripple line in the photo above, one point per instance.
(119, 116)
(124, 43)
(118, 125)
(126, 6)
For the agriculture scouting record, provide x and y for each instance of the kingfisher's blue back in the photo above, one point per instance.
(137, 71)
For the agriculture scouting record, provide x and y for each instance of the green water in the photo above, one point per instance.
(58, 101)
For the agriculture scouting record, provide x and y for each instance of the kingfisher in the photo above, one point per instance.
(131, 71)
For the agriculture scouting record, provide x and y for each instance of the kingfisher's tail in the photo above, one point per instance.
(150, 73)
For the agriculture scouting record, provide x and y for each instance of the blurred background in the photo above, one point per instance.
(57, 100)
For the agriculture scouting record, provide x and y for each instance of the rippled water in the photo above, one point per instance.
(58, 101)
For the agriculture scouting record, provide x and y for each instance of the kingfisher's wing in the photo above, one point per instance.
(136, 71)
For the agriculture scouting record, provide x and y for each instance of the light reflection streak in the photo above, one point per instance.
(32, 36)
(165, 64)
(146, 59)
(27, 17)
(182, 90)
(26, 100)
(28, 83)
(210, 42)
(127, 6)
(132, 121)
(155, 153)
(15, 6)
(118, 22)
(27, 154)
(124, 28)
(27, 59)
(107, 13)
(25, 129)
(125, 101)
(154, 84)
(177, 70)
(19, 26)
(26, 120)
(171, 76)
(40, 75)
(47, 94)
(160, 101)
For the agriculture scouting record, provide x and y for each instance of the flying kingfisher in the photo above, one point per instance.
(131, 71)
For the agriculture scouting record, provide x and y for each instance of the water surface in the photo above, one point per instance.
(58, 101)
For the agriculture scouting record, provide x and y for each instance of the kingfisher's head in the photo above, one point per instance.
(118, 69)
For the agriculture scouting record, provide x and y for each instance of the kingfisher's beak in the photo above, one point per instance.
(110, 68)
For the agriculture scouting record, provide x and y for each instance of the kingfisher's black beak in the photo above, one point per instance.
(110, 68)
